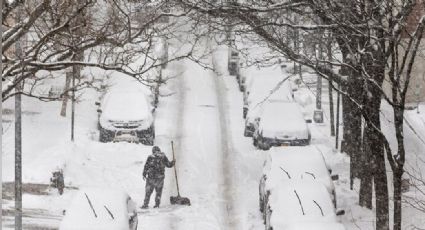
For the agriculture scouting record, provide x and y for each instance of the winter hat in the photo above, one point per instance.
(156, 149)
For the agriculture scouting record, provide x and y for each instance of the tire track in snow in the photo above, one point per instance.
(226, 147)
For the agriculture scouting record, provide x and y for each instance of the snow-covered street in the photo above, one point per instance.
(216, 166)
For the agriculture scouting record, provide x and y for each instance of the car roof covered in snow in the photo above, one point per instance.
(126, 105)
(283, 116)
(258, 109)
(269, 88)
(315, 226)
(295, 163)
(300, 201)
(109, 210)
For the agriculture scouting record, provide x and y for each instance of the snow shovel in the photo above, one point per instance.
(177, 199)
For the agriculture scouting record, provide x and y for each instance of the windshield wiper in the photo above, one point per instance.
(311, 174)
(289, 176)
(321, 210)
(110, 213)
(91, 206)
(299, 200)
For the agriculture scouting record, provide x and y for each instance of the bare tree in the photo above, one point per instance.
(368, 34)
(111, 34)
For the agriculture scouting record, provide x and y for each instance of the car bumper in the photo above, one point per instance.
(249, 130)
(282, 142)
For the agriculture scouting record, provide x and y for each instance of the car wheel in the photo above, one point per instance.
(267, 219)
(261, 205)
(246, 133)
(262, 145)
(255, 142)
(104, 135)
(148, 138)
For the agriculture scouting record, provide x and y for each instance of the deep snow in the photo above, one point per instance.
(219, 169)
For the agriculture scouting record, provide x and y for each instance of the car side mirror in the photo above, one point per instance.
(97, 103)
(308, 121)
(340, 212)
(99, 111)
(335, 177)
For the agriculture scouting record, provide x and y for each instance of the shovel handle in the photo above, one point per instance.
(175, 169)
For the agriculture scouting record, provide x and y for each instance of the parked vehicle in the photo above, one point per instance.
(233, 62)
(255, 113)
(266, 88)
(282, 125)
(242, 78)
(126, 116)
(100, 209)
(297, 203)
(316, 226)
(285, 164)
(250, 120)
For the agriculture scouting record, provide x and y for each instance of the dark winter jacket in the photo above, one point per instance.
(155, 166)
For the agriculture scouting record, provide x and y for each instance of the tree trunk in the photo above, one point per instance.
(398, 167)
(331, 101)
(365, 174)
(376, 145)
(397, 177)
(352, 120)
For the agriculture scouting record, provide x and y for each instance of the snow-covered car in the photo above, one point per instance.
(126, 116)
(251, 118)
(315, 226)
(266, 88)
(242, 78)
(233, 62)
(100, 209)
(282, 125)
(285, 164)
(255, 112)
(300, 202)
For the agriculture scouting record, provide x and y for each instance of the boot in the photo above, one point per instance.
(156, 205)
(145, 206)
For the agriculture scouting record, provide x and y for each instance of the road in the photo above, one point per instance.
(220, 181)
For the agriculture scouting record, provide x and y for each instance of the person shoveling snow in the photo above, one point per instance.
(153, 173)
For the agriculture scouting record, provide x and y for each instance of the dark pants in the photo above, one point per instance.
(151, 184)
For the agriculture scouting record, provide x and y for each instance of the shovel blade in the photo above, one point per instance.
(178, 200)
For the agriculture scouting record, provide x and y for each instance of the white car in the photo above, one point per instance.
(285, 164)
(299, 202)
(255, 113)
(282, 125)
(263, 88)
(100, 209)
(126, 116)
(316, 226)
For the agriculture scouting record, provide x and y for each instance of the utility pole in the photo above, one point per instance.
(18, 135)
(1, 115)
(338, 102)
(75, 71)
